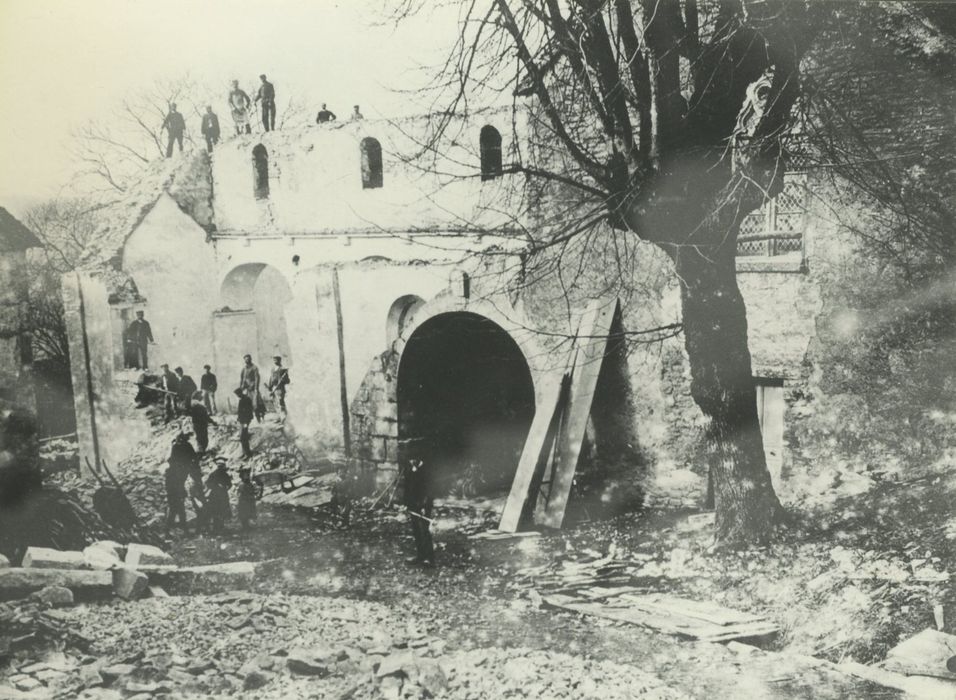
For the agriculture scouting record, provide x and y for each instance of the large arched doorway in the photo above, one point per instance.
(465, 402)
(251, 318)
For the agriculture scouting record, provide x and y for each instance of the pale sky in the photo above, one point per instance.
(64, 62)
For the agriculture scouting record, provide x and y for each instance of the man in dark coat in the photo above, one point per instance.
(175, 125)
(210, 128)
(170, 386)
(419, 500)
(201, 422)
(182, 462)
(244, 414)
(139, 335)
(267, 93)
(324, 116)
(187, 389)
(208, 385)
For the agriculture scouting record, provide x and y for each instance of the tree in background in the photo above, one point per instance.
(665, 120)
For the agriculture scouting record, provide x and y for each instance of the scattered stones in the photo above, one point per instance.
(311, 662)
(54, 596)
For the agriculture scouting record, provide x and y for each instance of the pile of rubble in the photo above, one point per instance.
(279, 646)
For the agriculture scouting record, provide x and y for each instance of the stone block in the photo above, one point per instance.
(234, 575)
(387, 427)
(103, 555)
(20, 582)
(44, 558)
(391, 449)
(54, 596)
(147, 555)
(129, 584)
(4, 562)
(311, 662)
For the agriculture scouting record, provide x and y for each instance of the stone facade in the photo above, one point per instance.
(292, 248)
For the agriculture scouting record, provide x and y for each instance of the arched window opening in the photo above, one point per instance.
(371, 163)
(260, 171)
(490, 144)
(401, 313)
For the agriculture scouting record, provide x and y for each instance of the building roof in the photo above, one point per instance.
(186, 179)
(14, 235)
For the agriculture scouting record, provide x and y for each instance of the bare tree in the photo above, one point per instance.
(112, 153)
(663, 119)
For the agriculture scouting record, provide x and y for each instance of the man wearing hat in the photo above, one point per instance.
(208, 385)
(278, 381)
(267, 93)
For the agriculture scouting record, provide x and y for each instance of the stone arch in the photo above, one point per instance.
(251, 316)
(465, 402)
(400, 315)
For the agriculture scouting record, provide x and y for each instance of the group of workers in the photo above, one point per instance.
(240, 106)
(210, 499)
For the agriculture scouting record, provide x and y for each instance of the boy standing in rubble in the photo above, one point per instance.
(219, 483)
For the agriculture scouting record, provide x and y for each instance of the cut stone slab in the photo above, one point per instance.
(129, 584)
(104, 555)
(147, 555)
(44, 558)
(924, 654)
(234, 575)
(156, 592)
(54, 596)
(4, 562)
(21, 582)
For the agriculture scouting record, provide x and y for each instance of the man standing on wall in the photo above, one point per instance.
(356, 114)
(176, 126)
(325, 115)
(239, 104)
(208, 385)
(278, 381)
(139, 335)
(267, 93)
(210, 128)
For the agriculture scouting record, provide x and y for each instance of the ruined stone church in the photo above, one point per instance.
(398, 297)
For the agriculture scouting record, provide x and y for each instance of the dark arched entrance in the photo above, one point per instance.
(466, 396)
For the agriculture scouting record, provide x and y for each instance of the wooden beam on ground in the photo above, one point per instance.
(537, 447)
(644, 611)
(592, 347)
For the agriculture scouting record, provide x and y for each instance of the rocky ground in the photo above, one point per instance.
(335, 612)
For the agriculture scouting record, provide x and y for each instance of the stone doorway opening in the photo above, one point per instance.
(465, 401)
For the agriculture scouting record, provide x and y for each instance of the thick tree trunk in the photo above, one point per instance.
(715, 335)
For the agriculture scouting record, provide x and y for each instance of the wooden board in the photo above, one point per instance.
(536, 446)
(623, 609)
(592, 347)
(499, 535)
